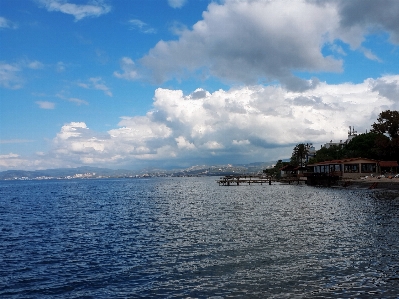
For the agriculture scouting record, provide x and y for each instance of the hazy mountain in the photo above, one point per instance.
(105, 172)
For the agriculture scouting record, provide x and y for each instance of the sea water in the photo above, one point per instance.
(190, 238)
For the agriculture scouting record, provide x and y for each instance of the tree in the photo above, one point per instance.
(299, 154)
(365, 146)
(326, 154)
(384, 148)
(388, 123)
(388, 127)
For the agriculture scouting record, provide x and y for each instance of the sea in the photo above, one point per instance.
(191, 238)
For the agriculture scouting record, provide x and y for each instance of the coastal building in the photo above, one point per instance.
(292, 172)
(389, 167)
(288, 171)
(352, 168)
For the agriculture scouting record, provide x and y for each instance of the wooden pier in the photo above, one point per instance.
(237, 180)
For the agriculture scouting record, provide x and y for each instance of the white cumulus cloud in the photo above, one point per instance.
(264, 41)
(244, 41)
(253, 123)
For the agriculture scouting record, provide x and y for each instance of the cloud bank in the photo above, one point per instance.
(256, 122)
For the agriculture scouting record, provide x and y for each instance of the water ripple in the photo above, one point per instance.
(190, 238)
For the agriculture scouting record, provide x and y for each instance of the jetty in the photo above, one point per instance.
(244, 179)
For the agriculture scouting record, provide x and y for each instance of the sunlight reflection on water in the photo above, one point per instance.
(189, 237)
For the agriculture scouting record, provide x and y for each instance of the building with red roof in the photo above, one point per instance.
(353, 168)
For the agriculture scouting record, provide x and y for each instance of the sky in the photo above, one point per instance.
(175, 83)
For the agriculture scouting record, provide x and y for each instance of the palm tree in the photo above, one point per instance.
(300, 153)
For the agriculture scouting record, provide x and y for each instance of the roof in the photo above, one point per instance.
(342, 161)
(388, 164)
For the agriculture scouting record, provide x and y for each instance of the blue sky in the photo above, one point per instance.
(158, 83)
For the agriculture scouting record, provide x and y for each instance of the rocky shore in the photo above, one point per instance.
(372, 183)
(385, 188)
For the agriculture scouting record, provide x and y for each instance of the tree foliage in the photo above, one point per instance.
(275, 171)
(299, 154)
(388, 123)
(332, 153)
(365, 146)
(387, 126)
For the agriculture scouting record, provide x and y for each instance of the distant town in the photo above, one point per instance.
(104, 173)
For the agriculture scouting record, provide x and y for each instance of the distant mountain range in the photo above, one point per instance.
(96, 172)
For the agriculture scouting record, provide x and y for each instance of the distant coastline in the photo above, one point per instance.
(87, 172)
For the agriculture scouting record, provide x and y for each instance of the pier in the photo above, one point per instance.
(237, 180)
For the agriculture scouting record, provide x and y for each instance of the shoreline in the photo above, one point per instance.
(383, 188)
(375, 183)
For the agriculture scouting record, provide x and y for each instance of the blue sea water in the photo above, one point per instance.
(190, 238)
